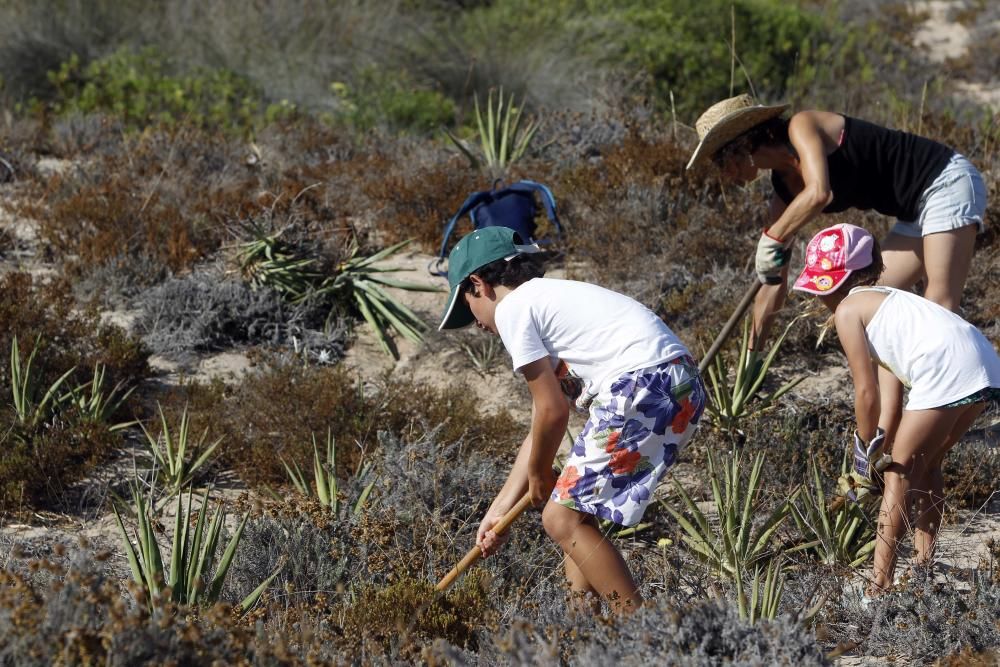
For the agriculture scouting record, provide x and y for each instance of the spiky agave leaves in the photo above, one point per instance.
(192, 556)
(729, 404)
(735, 544)
(326, 485)
(359, 278)
(175, 464)
(503, 139)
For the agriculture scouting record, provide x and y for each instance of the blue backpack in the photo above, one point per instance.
(513, 206)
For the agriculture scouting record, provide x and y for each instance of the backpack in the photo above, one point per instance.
(513, 206)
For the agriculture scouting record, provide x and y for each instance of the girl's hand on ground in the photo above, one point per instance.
(540, 485)
(487, 540)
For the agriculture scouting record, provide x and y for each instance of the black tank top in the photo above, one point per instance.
(878, 168)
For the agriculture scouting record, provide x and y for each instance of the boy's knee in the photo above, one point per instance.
(559, 522)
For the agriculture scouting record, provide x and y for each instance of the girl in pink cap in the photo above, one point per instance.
(950, 368)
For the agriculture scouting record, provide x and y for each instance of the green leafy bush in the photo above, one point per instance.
(142, 89)
(685, 46)
(391, 100)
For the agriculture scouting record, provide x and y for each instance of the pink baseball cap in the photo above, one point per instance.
(833, 255)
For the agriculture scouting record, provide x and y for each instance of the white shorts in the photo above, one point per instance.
(955, 199)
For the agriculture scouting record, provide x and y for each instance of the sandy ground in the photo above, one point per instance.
(440, 359)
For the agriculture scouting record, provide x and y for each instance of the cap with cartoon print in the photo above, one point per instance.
(833, 255)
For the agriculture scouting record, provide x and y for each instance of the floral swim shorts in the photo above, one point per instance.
(636, 428)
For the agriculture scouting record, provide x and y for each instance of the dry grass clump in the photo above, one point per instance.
(398, 619)
(68, 336)
(43, 454)
(203, 312)
(81, 617)
(155, 196)
(277, 410)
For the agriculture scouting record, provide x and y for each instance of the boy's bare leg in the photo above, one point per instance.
(928, 512)
(585, 598)
(600, 563)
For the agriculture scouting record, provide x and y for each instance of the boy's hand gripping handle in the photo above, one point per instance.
(475, 554)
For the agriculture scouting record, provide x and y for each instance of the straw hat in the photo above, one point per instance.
(726, 120)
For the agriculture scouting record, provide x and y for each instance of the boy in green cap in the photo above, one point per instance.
(610, 355)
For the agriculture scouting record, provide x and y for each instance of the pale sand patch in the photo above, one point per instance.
(940, 37)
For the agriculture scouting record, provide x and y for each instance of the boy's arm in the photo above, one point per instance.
(549, 416)
(851, 332)
(532, 469)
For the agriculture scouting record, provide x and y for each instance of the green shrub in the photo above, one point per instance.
(685, 46)
(142, 89)
(392, 100)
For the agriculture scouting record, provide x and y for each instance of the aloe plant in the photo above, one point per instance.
(28, 406)
(733, 544)
(362, 282)
(766, 589)
(176, 461)
(264, 261)
(837, 533)
(729, 404)
(502, 138)
(99, 405)
(327, 488)
(192, 554)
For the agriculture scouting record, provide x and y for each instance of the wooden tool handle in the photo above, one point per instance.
(474, 553)
(730, 325)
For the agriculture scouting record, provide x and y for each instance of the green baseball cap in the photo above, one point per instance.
(474, 251)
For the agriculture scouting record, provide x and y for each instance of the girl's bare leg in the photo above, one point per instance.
(921, 433)
(904, 266)
(601, 565)
(928, 509)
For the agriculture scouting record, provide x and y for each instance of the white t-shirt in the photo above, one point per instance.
(937, 354)
(598, 333)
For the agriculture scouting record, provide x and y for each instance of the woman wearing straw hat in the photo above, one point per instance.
(823, 162)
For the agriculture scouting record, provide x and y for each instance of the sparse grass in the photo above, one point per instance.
(142, 220)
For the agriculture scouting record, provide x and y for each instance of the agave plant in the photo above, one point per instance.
(176, 466)
(838, 533)
(502, 138)
(766, 589)
(265, 261)
(362, 282)
(29, 408)
(327, 488)
(730, 404)
(99, 405)
(733, 544)
(192, 554)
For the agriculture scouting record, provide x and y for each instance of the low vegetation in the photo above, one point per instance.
(230, 178)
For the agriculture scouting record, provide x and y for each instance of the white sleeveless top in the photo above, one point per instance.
(937, 354)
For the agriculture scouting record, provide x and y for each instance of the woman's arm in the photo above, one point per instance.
(805, 131)
(854, 341)
(771, 297)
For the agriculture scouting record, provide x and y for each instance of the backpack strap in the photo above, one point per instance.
(471, 202)
(548, 201)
